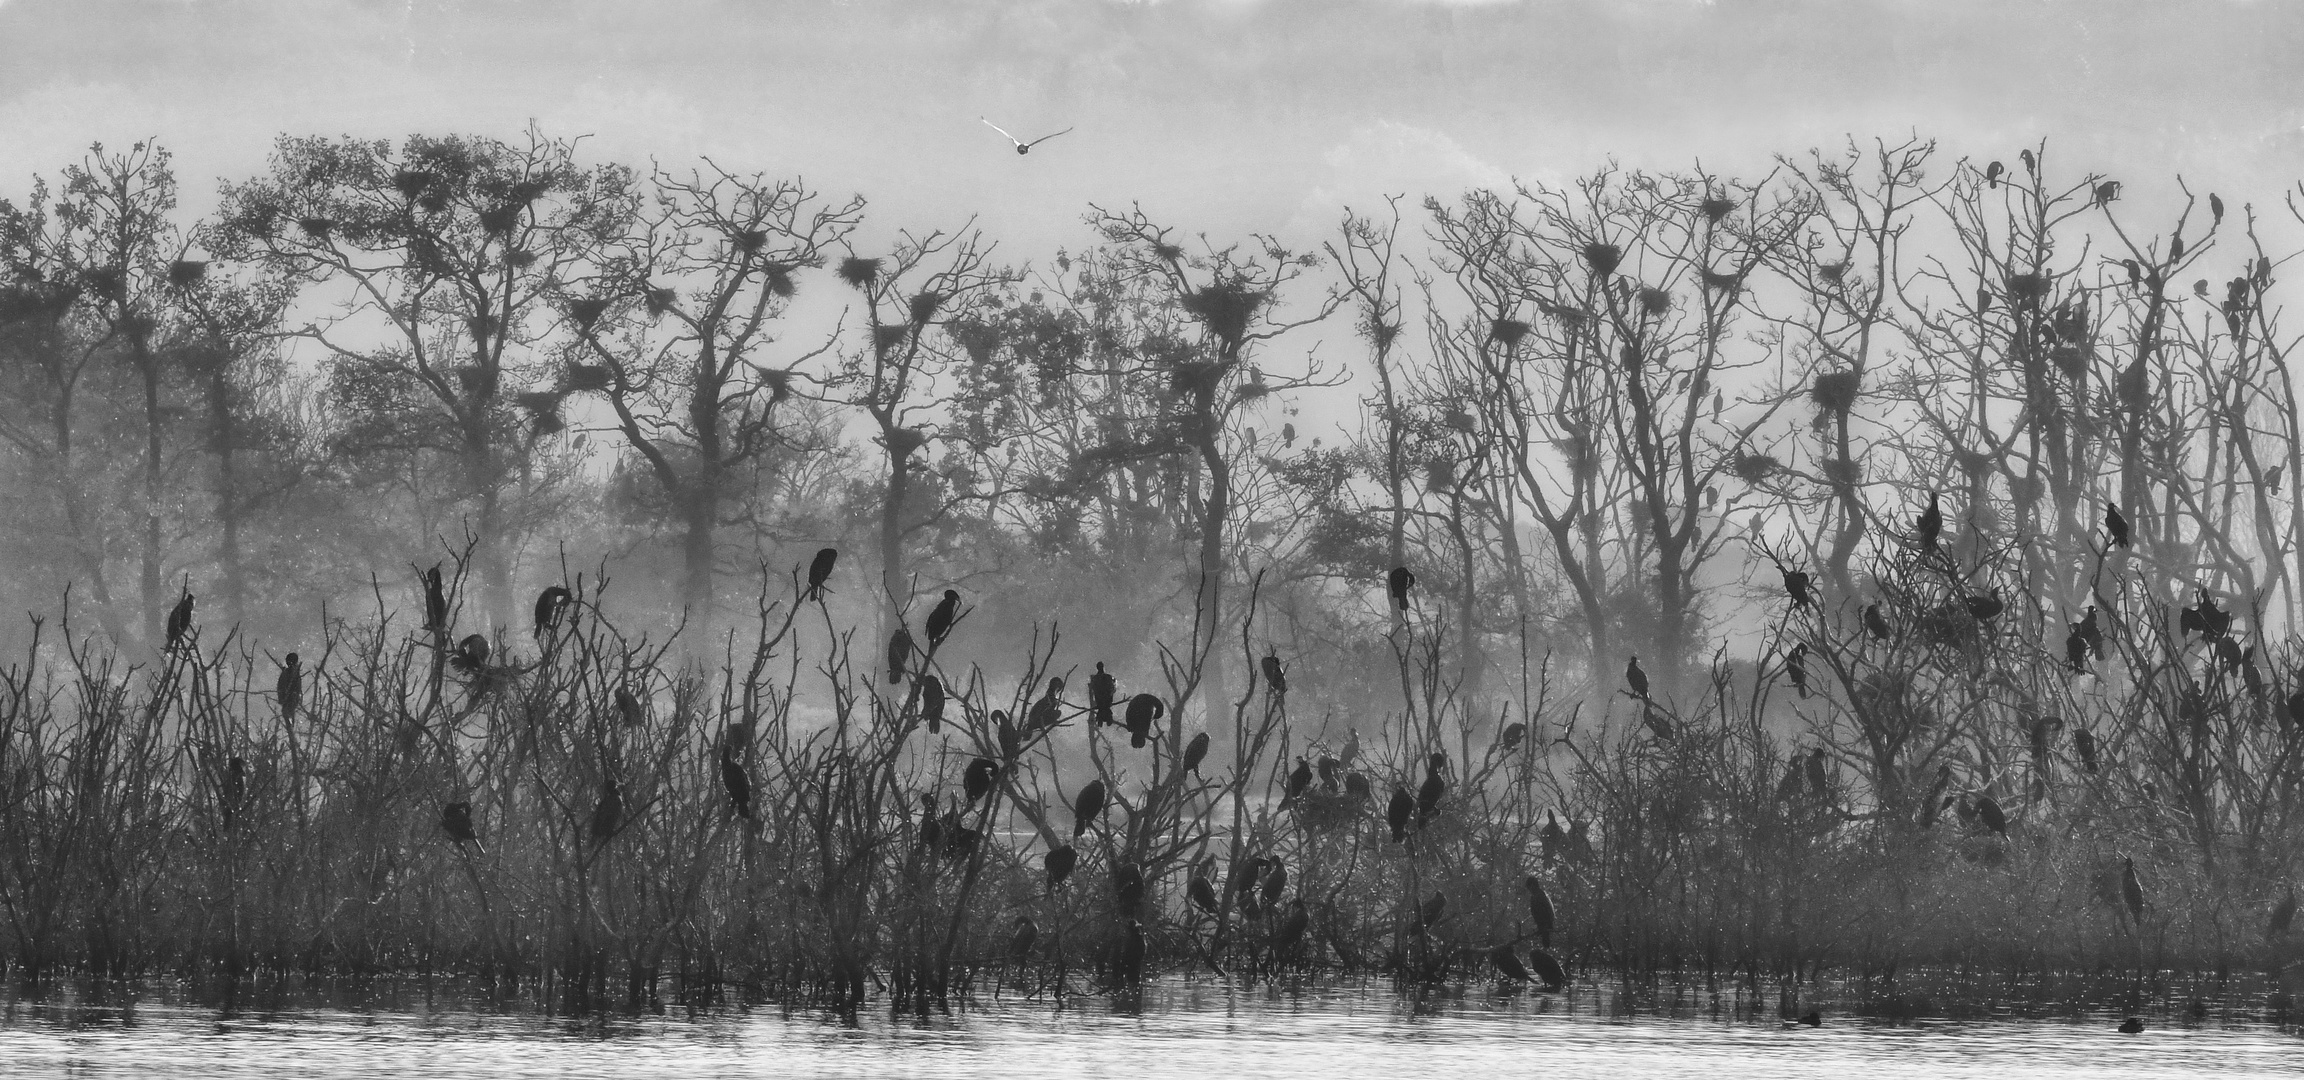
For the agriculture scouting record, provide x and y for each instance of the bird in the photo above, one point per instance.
(1988, 811)
(289, 688)
(549, 605)
(235, 788)
(1796, 667)
(1429, 914)
(1552, 840)
(1985, 608)
(1636, 678)
(940, 620)
(820, 571)
(1329, 775)
(1275, 880)
(2084, 741)
(1539, 909)
(1812, 1018)
(2029, 164)
(739, 785)
(2116, 525)
(435, 602)
(1400, 580)
(628, 707)
(1195, 751)
(1292, 925)
(1932, 807)
(1819, 783)
(1299, 781)
(976, 782)
(608, 814)
(1275, 678)
(1931, 522)
(1201, 892)
(899, 653)
(2215, 207)
(1059, 863)
(1020, 943)
(1874, 623)
(932, 701)
(1400, 813)
(2090, 632)
(1102, 688)
(1796, 586)
(1022, 147)
(1087, 806)
(2283, 914)
(1128, 966)
(2076, 650)
(472, 654)
(1428, 795)
(1508, 963)
(1143, 709)
(1992, 173)
(456, 821)
(1547, 968)
(2131, 890)
(2132, 1026)
(1047, 712)
(1128, 885)
(179, 622)
(1357, 789)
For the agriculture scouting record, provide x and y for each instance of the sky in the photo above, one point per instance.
(1220, 116)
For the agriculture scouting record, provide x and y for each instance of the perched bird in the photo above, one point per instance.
(1428, 795)
(1275, 880)
(1299, 781)
(1351, 749)
(1400, 814)
(435, 602)
(1874, 623)
(289, 688)
(2076, 650)
(1429, 914)
(1796, 666)
(1128, 885)
(1508, 963)
(1992, 174)
(941, 619)
(1819, 783)
(1932, 807)
(1195, 751)
(1143, 709)
(1553, 841)
(1539, 909)
(628, 706)
(1047, 712)
(2131, 890)
(899, 653)
(456, 821)
(2283, 914)
(1636, 678)
(1330, 777)
(1102, 689)
(1059, 864)
(2116, 525)
(1988, 811)
(1547, 968)
(1985, 608)
(1020, 943)
(1796, 585)
(179, 622)
(1201, 892)
(2215, 208)
(976, 782)
(1356, 787)
(820, 571)
(1292, 925)
(1087, 806)
(1022, 147)
(738, 783)
(609, 814)
(550, 604)
(1931, 522)
(2091, 633)
(1812, 1018)
(472, 654)
(1400, 580)
(2084, 741)
(2132, 1026)
(1275, 678)
(932, 701)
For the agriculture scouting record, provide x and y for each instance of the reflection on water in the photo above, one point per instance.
(1179, 1029)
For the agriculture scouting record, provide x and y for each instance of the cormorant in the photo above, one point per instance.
(932, 701)
(1201, 892)
(1292, 925)
(739, 785)
(1508, 963)
(1400, 580)
(2116, 525)
(1428, 795)
(1539, 909)
(179, 621)
(609, 814)
(1636, 678)
(456, 821)
(1400, 813)
(1087, 806)
(1059, 863)
(1275, 679)
(1047, 712)
(290, 687)
(820, 571)
(1988, 811)
(2283, 914)
(2084, 741)
(1429, 914)
(435, 602)
(1547, 967)
(1299, 781)
(1020, 944)
(1931, 522)
(1102, 689)
(1195, 751)
(940, 620)
(2132, 1026)
(1275, 880)
(899, 653)
(1356, 787)
(1796, 667)
(1796, 586)
(2131, 890)
(472, 654)
(1143, 709)
(1819, 783)
(549, 605)
(977, 781)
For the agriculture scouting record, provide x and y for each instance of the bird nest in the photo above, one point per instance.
(1716, 208)
(1654, 301)
(587, 310)
(586, 378)
(1844, 471)
(1508, 332)
(1835, 391)
(2072, 360)
(2027, 289)
(1225, 308)
(1754, 468)
(1603, 258)
(859, 272)
(924, 306)
(888, 338)
(185, 273)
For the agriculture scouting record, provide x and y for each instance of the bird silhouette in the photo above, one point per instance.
(1992, 174)
(1429, 913)
(738, 783)
(932, 701)
(1636, 678)
(628, 707)
(899, 653)
(1988, 811)
(940, 620)
(549, 605)
(1796, 667)
(456, 821)
(289, 687)
(1507, 963)
(608, 815)
(2131, 890)
(1128, 886)
(2115, 525)
(1547, 968)
(1087, 806)
(1819, 783)
(1812, 1018)
(472, 654)
(1047, 712)
(1292, 926)
(2076, 650)
(1931, 522)
(1299, 781)
(2132, 1026)
(1400, 581)
(1874, 623)
(2283, 914)
(1400, 813)
(1143, 709)
(1274, 880)
(1985, 608)
(179, 622)
(1796, 586)
(976, 782)
(1102, 689)
(1357, 789)
(1428, 796)
(2084, 741)
(820, 571)
(1020, 943)
(1195, 751)
(1059, 863)
(1540, 911)
(1022, 147)
(1201, 892)
(1275, 677)
(435, 602)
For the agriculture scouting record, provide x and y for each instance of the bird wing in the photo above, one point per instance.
(1041, 139)
(1003, 132)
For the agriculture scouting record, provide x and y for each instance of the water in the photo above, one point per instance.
(1181, 1030)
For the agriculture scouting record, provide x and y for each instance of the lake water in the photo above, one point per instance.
(1180, 1029)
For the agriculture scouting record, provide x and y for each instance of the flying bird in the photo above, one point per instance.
(1022, 147)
